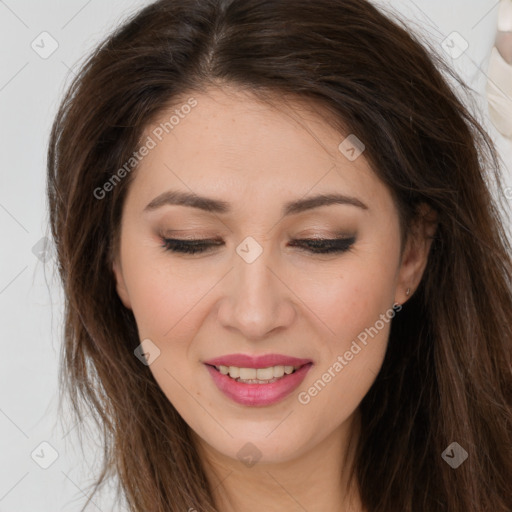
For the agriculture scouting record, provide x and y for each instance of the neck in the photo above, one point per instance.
(317, 479)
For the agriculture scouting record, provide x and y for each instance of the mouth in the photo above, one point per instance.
(258, 386)
(257, 375)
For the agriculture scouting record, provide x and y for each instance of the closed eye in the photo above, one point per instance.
(312, 245)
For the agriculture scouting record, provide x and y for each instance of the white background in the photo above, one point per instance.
(30, 300)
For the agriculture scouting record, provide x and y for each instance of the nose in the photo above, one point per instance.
(257, 300)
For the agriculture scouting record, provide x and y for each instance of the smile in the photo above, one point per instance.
(248, 389)
(257, 375)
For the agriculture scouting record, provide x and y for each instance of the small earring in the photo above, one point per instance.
(408, 291)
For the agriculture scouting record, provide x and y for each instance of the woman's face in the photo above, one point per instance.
(256, 291)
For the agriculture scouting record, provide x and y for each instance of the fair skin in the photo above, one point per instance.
(289, 301)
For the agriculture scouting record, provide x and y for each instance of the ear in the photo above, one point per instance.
(120, 284)
(415, 254)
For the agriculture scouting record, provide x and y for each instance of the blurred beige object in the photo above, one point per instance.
(499, 85)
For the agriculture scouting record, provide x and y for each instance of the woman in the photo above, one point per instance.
(287, 282)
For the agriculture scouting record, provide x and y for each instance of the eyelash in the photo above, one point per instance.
(316, 245)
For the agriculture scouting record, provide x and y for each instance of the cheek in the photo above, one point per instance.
(356, 306)
(350, 299)
(163, 296)
(167, 307)
(154, 302)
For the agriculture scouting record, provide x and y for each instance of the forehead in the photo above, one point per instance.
(232, 144)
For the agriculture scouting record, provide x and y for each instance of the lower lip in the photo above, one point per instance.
(259, 394)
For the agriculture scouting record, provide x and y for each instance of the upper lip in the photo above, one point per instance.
(263, 361)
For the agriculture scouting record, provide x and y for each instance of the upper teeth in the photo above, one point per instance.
(256, 373)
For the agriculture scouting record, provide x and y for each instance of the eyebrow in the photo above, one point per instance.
(208, 204)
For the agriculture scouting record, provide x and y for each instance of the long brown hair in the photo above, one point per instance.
(447, 373)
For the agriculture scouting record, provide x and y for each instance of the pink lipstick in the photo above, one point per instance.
(257, 380)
